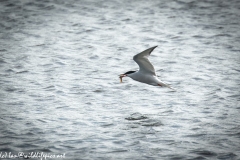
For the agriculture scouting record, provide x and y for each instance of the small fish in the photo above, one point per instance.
(120, 79)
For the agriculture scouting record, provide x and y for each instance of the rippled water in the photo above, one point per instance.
(59, 86)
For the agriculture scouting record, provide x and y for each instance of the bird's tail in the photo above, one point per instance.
(166, 85)
(172, 88)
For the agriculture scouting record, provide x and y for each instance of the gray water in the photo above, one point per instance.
(60, 93)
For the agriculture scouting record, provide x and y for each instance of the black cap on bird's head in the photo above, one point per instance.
(125, 74)
(129, 72)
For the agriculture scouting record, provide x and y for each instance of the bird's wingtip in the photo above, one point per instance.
(151, 49)
(155, 46)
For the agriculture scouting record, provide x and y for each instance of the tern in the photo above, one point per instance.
(146, 73)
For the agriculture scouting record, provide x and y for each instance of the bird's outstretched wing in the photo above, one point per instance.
(144, 64)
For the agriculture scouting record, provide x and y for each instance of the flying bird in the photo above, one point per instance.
(146, 73)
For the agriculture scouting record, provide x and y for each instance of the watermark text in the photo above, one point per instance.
(31, 155)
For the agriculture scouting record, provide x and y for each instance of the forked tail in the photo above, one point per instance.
(166, 85)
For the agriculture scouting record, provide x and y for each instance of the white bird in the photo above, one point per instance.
(146, 73)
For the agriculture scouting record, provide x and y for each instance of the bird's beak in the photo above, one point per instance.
(121, 76)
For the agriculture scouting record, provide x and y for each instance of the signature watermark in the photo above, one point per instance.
(31, 155)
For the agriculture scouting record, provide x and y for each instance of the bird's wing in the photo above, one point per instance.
(144, 64)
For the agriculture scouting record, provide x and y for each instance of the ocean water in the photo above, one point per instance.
(60, 94)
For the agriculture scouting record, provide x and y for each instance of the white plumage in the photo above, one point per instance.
(146, 73)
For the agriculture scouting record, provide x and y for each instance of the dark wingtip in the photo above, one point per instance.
(152, 49)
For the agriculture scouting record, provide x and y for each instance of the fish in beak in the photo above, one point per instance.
(121, 77)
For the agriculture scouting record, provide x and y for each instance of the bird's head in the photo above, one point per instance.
(125, 75)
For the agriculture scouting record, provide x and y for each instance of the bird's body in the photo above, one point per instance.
(145, 78)
(146, 73)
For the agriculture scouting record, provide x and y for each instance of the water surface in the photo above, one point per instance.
(60, 93)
